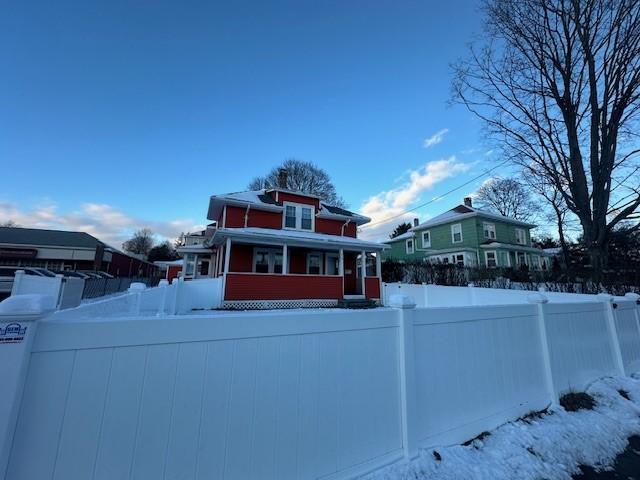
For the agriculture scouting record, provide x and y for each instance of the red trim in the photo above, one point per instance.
(256, 286)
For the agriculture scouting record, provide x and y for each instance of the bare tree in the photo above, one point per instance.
(9, 224)
(140, 243)
(558, 86)
(507, 197)
(301, 176)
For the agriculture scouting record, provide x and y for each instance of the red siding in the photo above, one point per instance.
(263, 219)
(173, 271)
(235, 217)
(282, 287)
(292, 197)
(241, 258)
(350, 230)
(334, 227)
(372, 287)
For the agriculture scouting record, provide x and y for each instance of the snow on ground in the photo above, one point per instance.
(547, 447)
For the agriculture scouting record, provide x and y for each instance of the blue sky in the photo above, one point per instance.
(124, 114)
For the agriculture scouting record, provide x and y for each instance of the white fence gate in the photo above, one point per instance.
(295, 394)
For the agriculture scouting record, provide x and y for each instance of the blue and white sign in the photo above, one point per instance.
(12, 333)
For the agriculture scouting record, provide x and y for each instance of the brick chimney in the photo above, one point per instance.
(282, 178)
(468, 201)
(416, 222)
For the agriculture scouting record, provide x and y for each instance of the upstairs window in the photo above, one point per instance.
(456, 233)
(489, 230)
(521, 236)
(290, 216)
(298, 216)
(426, 239)
(409, 246)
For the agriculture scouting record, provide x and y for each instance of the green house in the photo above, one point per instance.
(468, 236)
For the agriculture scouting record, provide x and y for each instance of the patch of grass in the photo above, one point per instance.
(480, 437)
(533, 415)
(624, 394)
(574, 401)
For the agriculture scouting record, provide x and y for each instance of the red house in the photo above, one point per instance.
(277, 248)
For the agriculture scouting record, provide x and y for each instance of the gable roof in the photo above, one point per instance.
(261, 200)
(456, 214)
(463, 211)
(54, 238)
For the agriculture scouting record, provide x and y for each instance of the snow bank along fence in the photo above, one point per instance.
(290, 394)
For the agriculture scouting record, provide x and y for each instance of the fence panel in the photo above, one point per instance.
(579, 344)
(628, 334)
(293, 396)
(476, 368)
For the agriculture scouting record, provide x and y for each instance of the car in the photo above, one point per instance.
(7, 275)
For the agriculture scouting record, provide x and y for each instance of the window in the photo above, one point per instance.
(535, 261)
(297, 216)
(409, 246)
(426, 239)
(521, 236)
(489, 230)
(491, 259)
(332, 264)
(456, 233)
(190, 264)
(314, 264)
(290, 216)
(267, 260)
(458, 259)
(521, 258)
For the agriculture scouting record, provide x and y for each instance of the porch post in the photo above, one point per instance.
(227, 256)
(285, 263)
(363, 269)
(379, 264)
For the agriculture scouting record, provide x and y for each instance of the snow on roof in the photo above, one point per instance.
(404, 236)
(293, 236)
(261, 199)
(463, 211)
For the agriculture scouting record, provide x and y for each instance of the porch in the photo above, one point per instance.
(303, 273)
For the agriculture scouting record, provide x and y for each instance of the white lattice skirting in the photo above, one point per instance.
(277, 304)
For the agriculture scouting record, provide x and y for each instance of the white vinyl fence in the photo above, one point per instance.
(66, 291)
(311, 394)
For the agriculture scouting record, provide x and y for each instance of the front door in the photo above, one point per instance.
(352, 284)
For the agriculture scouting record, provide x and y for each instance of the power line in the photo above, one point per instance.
(369, 225)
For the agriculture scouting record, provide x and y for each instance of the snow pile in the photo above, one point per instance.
(27, 304)
(551, 446)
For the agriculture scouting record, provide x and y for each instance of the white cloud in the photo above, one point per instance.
(104, 222)
(394, 202)
(435, 138)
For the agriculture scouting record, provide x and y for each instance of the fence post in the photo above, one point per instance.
(612, 330)
(164, 285)
(634, 297)
(540, 302)
(472, 293)
(19, 317)
(404, 305)
(17, 280)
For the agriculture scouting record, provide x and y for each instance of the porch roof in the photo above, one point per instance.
(294, 238)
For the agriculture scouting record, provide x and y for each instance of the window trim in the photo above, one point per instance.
(524, 236)
(453, 238)
(298, 209)
(413, 246)
(485, 230)
(495, 258)
(426, 244)
(271, 260)
(320, 264)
